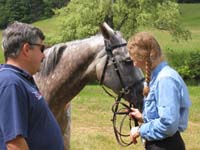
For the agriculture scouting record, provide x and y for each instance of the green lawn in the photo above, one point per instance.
(191, 15)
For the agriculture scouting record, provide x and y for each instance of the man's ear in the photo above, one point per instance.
(25, 49)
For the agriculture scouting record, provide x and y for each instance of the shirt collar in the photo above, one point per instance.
(158, 68)
(16, 69)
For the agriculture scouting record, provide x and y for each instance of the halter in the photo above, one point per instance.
(125, 110)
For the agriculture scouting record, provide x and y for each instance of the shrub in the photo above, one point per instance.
(193, 64)
(176, 58)
(186, 63)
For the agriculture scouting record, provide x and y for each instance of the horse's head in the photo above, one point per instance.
(118, 72)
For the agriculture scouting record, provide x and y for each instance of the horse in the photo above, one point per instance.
(68, 67)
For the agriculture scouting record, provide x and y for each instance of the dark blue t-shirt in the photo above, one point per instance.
(23, 111)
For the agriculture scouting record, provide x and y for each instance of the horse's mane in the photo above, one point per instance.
(54, 53)
(52, 58)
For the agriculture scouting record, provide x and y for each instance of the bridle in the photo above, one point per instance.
(119, 108)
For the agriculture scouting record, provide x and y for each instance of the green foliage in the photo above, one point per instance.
(83, 17)
(184, 57)
(56, 3)
(4, 17)
(194, 64)
(176, 57)
(184, 71)
(170, 11)
(23, 10)
(17, 10)
(125, 16)
(186, 63)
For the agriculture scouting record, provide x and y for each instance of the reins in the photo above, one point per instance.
(119, 108)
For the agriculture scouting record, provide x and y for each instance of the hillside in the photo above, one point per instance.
(191, 15)
(190, 19)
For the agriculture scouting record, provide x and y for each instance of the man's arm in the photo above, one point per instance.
(19, 143)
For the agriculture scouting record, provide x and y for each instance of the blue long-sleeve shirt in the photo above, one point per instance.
(166, 107)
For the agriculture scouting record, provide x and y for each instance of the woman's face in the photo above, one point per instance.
(139, 57)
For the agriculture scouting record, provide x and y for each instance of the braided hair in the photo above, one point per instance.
(148, 65)
(145, 41)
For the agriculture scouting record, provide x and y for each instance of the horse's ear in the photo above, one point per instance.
(106, 30)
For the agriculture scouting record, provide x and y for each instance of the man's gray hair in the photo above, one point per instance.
(16, 35)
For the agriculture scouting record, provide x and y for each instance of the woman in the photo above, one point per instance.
(166, 98)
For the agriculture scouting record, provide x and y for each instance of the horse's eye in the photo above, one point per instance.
(128, 60)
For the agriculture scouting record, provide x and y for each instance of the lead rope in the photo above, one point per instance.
(115, 107)
(116, 111)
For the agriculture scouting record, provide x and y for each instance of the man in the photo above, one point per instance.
(26, 122)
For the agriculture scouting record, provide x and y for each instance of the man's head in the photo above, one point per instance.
(22, 46)
(16, 35)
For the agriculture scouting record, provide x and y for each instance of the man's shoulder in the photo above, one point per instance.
(8, 78)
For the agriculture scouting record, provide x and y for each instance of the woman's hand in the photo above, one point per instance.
(134, 134)
(135, 113)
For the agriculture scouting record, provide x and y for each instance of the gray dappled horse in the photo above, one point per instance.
(68, 67)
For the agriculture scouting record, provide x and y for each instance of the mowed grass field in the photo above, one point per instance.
(92, 126)
(91, 109)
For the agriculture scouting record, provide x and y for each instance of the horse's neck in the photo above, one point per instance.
(74, 70)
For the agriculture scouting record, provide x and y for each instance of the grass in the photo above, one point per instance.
(191, 15)
(91, 121)
(92, 128)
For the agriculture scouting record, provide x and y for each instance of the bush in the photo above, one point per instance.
(187, 64)
(193, 64)
(176, 58)
(23, 11)
(184, 71)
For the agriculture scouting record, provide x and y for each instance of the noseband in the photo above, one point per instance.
(119, 108)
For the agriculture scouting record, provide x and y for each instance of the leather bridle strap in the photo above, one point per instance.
(117, 46)
(124, 90)
(109, 50)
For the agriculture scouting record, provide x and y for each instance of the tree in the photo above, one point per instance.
(188, 1)
(56, 3)
(23, 10)
(39, 10)
(4, 15)
(17, 10)
(83, 17)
